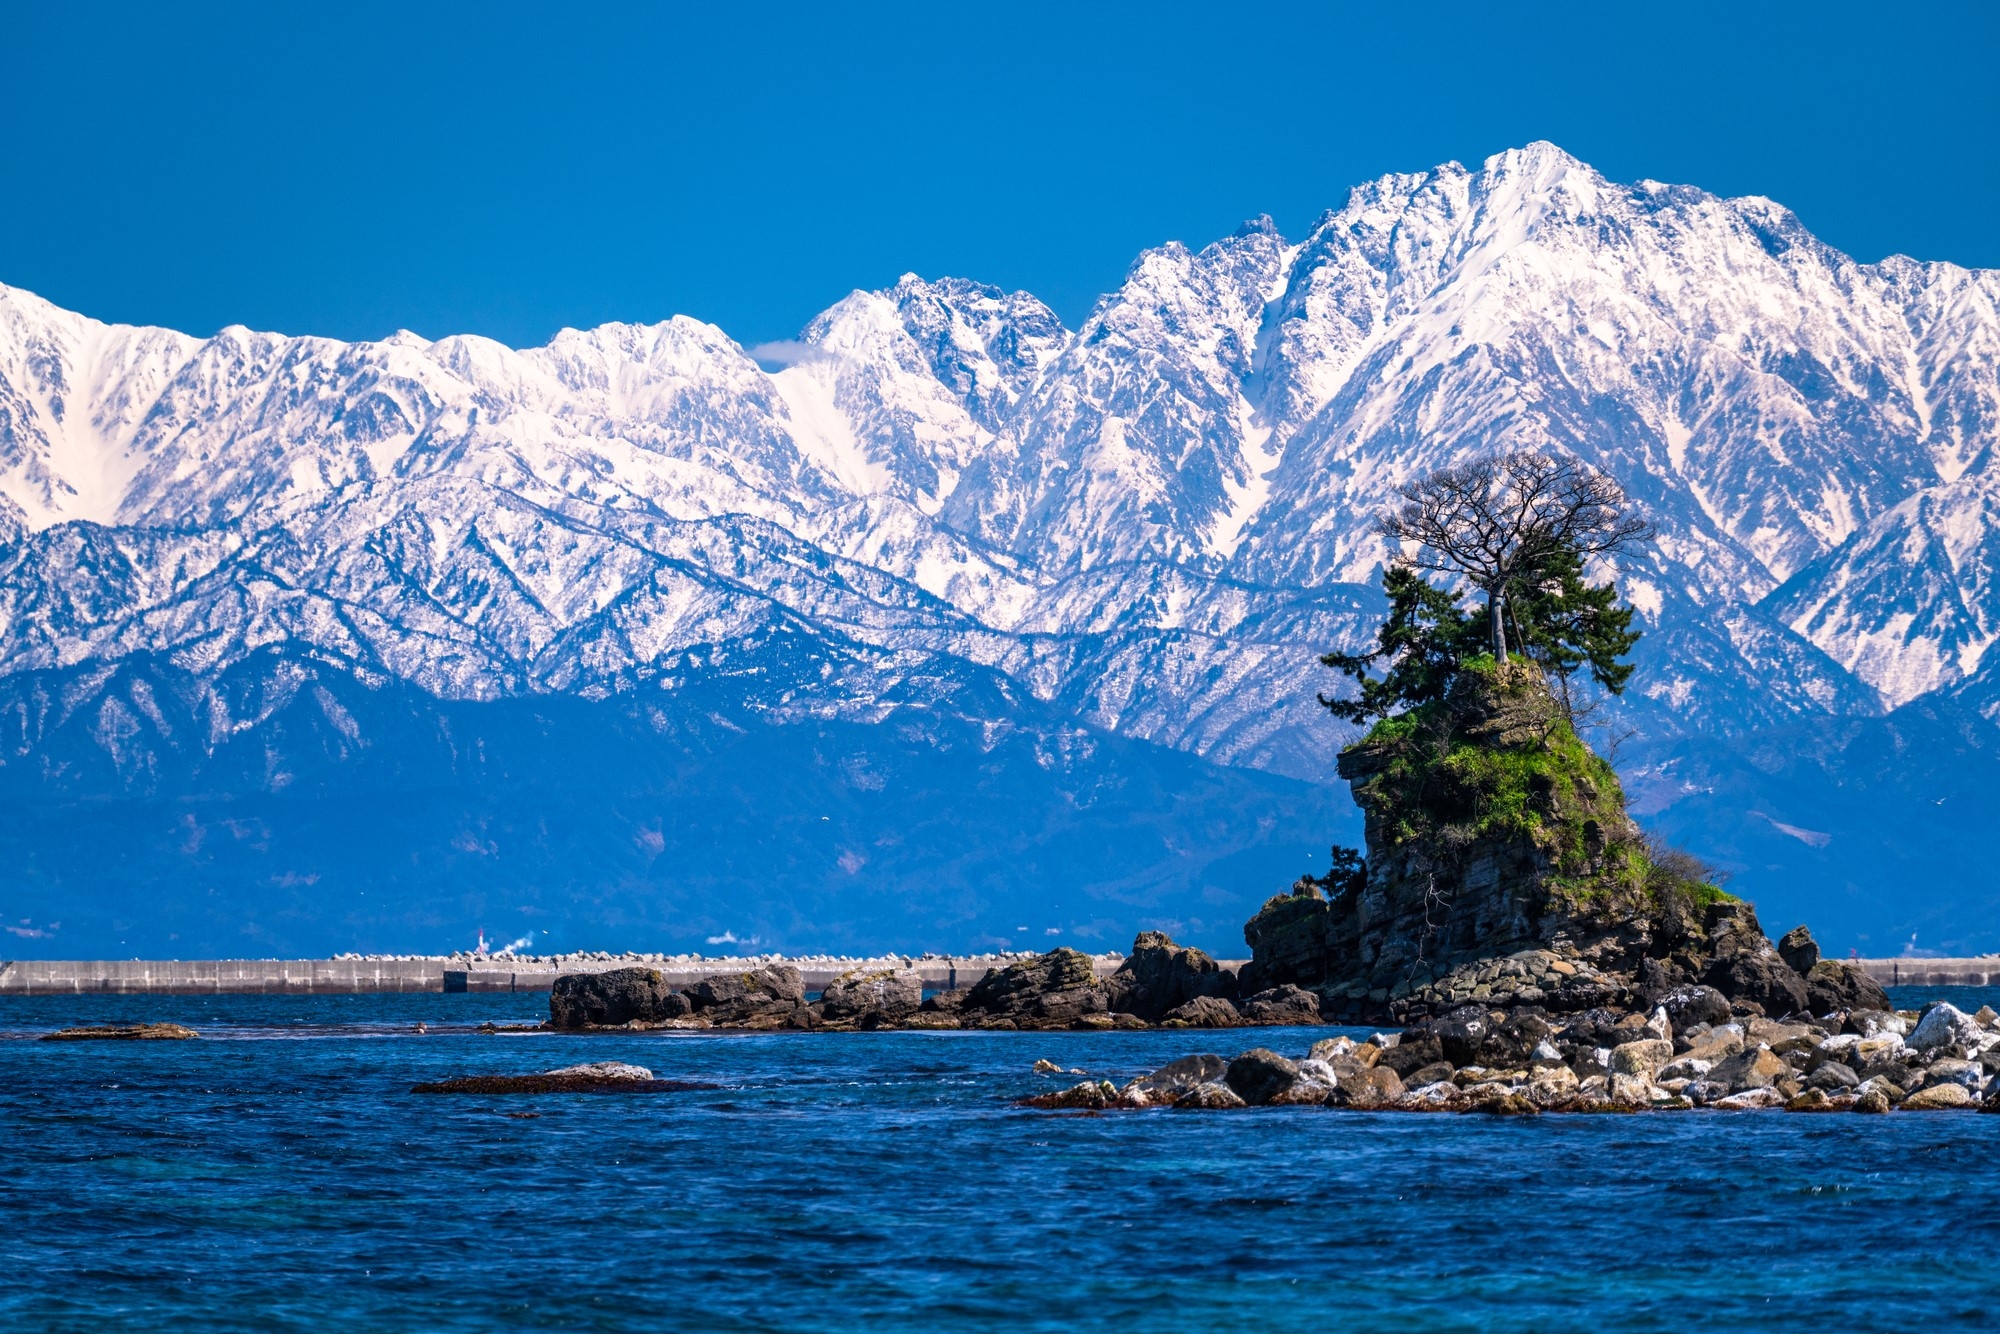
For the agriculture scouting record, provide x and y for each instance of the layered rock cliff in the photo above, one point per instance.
(1502, 869)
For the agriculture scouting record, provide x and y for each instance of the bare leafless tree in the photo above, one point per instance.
(1496, 520)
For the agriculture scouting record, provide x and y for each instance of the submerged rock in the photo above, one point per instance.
(595, 1077)
(122, 1033)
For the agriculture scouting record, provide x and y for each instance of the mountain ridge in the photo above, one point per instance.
(1151, 525)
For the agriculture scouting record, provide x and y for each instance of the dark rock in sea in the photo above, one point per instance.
(1260, 1074)
(614, 997)
(769, 997)
(1462, 1033)
(1053, 990)
(1211, 1097)
(122, 1033)
(596, 1077)
(1177, 1077)
(1835, 986)
(1435, 1073)
(1375, 1086)
(1092, 1095)
(868, 999)
(1287, 1004)
(1203, 1012)
(1159, 976)
(1412, 1053)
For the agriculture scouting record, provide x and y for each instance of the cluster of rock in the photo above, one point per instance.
(1159, 984)
(1687, 1053)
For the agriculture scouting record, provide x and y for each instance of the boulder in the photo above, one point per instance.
(1090, 1096)
(1938, 1098)
(871, 997)
(1159, 976)
(1287, 1004)
(1643, 1058)
(1462, 1034)
(1751, 1100)
(1799, 950)
(1203, 1012)
(1259, 1074)
(1210, 1097)
(1834, 1077)
(1944, 1024)
(1415, 1050)
(1437, 1072)
(1757, 1068)
(1690, 1005)
(1835, 986)
(765, 997)
(1372, 1087)
(1052, 990)
(1872, 1101)
(1177, 1077)
(1967, 1074)
(1746, 968)
(616, 996)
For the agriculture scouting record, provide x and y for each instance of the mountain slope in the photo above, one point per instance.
(1149, 527)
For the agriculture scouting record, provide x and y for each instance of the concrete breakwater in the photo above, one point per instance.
(491, 973)
(449, 973)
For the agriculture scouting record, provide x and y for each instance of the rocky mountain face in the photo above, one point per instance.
(939, 503)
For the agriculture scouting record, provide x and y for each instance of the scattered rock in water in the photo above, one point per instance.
(595, 1077)
(1512, 1063)
(122, 1033)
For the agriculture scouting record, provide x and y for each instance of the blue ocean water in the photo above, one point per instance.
(278, 1174)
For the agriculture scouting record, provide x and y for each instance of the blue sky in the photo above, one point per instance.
(510, 169)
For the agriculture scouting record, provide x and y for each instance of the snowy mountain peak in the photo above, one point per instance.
(1155, 521)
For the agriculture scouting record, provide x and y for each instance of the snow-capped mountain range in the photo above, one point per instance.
(1151, 525)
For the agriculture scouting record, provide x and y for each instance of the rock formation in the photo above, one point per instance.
(1522, 1062)
(1502, 870)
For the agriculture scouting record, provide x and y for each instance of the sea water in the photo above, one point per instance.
(280, 1174)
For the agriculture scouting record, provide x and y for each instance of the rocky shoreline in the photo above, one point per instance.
(1159, 985)
(1477, 1060)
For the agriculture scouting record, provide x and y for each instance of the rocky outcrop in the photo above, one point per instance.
(872, 998)
(1520, 1063)
(1502, 871)
(614, 997)
(1159, 976)
(1052, 990)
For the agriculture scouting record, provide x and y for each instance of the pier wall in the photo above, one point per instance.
(319, 977)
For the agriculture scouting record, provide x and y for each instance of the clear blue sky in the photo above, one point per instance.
(348, 169)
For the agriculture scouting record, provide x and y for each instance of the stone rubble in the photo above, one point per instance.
(1473, 1059)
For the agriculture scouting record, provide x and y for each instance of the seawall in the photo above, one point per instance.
(325, 977)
